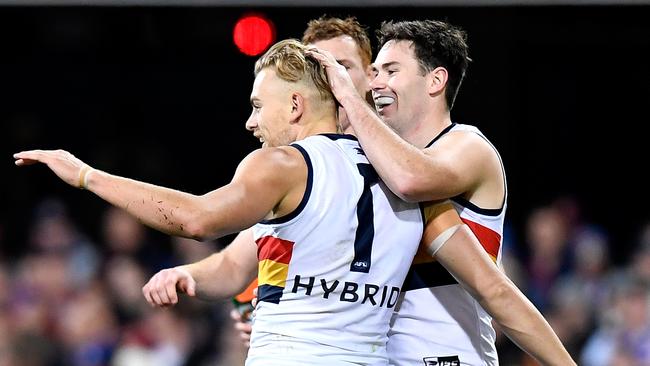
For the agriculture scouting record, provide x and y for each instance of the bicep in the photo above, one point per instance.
(459, 161)
(242, 253)
(261, 182)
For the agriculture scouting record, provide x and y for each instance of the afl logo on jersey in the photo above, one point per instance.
(441, 361)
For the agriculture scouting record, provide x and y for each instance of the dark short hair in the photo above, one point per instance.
(435, 44)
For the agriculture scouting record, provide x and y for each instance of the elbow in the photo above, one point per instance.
(193, 229)
(195, 225)
(198, 228)
(408, 187)
(497, 295)
(419, 188)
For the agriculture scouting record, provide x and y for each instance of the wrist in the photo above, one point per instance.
(351, 100)
(84, 175)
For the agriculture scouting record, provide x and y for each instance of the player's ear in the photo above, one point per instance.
(297, 107)
(438, 78)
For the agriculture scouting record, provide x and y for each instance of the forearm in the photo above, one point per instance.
(163, 209)
(525, 325)
(402, 164)
(463, 256)
(227, 273)
(218, 278)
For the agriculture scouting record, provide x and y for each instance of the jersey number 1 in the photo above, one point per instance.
(365, 216)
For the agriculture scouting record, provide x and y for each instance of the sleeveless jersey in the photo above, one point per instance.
(330, 273)
(436, 321)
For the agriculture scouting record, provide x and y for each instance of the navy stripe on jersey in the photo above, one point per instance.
(337, 136)
(305, 197)
(270, 293)
(365, 233)
(425, 275)
(442, 133)
(483, 211)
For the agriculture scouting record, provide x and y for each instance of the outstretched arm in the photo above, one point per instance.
(261, 183)
(464, 258)
(219, 276)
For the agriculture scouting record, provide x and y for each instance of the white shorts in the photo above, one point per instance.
(281, 350)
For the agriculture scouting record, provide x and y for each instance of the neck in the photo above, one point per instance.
(425, 129)
(317, 125)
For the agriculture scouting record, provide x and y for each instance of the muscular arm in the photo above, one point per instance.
(415, 174)
(261, 183)
(217, 277)
(464, 258)
(227, 273)
(454, 165)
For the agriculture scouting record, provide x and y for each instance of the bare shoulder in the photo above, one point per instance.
(282, 161)
(465, 141)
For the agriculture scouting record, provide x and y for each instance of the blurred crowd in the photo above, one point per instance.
(70, 301)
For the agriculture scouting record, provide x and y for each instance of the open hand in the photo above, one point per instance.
(65, 165)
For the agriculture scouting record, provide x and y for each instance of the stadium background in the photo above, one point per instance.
(160, 93)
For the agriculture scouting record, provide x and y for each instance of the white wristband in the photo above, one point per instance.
(83, 176)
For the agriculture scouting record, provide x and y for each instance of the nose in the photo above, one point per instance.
(378, 82)
(251, 123)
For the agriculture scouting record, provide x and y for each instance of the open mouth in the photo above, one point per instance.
(383, 101)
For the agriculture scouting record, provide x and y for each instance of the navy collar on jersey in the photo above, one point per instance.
(441, 134)
(336, 136)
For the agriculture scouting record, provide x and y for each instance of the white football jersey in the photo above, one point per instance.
(436, 321)
(330, 273)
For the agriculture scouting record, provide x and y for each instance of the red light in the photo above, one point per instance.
(253, 34)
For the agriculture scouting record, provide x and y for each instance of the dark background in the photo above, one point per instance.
(161, 94)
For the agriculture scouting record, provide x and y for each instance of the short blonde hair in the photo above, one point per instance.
(289, 61)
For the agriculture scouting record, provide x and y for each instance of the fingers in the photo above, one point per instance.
(186, 284)
(161, 290)
(65, 165)
(254, 301)
(234, 315)
(324, 57)
(28, 157)
(243, 329)
(191, 287)
(168, 292)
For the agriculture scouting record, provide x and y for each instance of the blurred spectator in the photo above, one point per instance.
(580, 293)
(53, 232)
(640, 265)
(546, 235)
(124, 236)
(88, 328)
(623, 337)
(124, 279)
(189, 251)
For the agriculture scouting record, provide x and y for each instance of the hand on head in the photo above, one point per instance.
(337, 76)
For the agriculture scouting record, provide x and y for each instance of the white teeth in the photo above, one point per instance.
(384, 101)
